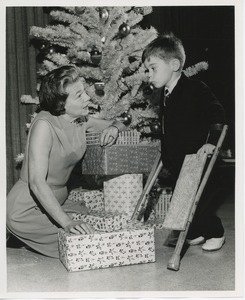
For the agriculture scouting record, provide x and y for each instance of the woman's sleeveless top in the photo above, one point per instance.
(69, 146)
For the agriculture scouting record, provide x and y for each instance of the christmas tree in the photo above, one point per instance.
(106, 44)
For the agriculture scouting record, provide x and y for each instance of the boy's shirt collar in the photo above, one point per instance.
(172, 86)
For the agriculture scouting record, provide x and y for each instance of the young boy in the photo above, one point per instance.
(192, 119)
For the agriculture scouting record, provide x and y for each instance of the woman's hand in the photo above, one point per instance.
(109, 135)
(207, 148)
(78, 227)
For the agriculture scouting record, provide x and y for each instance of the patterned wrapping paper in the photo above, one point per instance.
(122, 193)
(93, 199)
(119, 159)
(104, 250)
(103, 221)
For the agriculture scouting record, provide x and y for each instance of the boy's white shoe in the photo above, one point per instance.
(213, 244)
(197, 241)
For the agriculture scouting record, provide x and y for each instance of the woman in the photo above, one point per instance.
(37, 204)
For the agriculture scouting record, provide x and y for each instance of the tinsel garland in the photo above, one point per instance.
(27, 99)
(19, 158)
(193, 70)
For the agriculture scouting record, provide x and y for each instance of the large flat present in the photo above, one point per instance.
(122, 193)
(104, 250)
(103, 221)
(93, 199)
(184, 192)
(119, 159)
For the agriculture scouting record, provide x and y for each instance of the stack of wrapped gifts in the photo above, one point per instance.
(116, 240)
(127, 156)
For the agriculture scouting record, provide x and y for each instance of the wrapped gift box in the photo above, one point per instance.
(93, 199)
(160, 210)
(103, 221)
(104, 250)
(124, 137)
(122, 193)
(119, 159)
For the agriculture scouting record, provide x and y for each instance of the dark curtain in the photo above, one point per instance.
(20, 80)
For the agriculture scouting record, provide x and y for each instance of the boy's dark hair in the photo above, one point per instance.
(166, 47)
(52, 95)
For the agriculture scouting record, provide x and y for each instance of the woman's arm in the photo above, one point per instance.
(98, 125)
(109, 128)
(40, 144)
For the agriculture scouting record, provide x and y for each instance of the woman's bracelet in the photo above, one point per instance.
(115, 127)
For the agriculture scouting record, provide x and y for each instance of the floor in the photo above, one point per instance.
(209, 273)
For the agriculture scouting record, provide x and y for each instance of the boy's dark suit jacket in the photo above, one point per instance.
(192, 111)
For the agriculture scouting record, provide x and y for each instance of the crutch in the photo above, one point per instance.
(142, 202)
(174, 262)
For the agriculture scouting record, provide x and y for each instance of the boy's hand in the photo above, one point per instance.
(207, 149)
(109, 135)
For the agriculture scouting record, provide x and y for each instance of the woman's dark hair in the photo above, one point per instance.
(52, 94)
(166, 47)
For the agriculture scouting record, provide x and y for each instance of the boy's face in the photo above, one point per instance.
(77, 100)
(160, 72)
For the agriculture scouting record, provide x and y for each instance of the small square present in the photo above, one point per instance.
(103, 221)
(122, 193)
(103, 250)
(161, 207)
(163, 203)
(93, 199)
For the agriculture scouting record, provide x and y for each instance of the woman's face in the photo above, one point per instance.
(77, 100)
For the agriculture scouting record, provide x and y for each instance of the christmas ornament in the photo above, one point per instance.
(45, 48)
(99, 88)
(104, 15)
(155, 127)
(95, 56)
(148, 89)
(51, 50)
(139, 10)
(79, 9)
(126, 118)
(124, 29)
